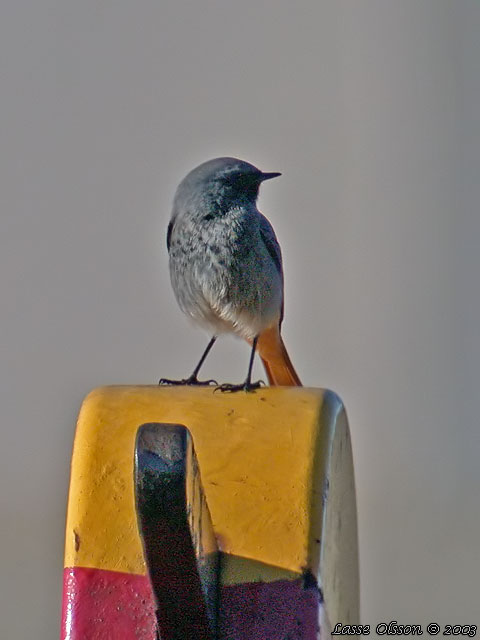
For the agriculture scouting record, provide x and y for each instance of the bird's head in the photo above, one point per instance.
(221, 183)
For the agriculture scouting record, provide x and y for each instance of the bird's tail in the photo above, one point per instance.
(275, 359)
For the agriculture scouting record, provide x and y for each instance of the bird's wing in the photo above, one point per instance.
(169, 234)
(271, 244)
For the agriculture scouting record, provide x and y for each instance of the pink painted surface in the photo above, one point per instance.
(109, 605)
(106, 605)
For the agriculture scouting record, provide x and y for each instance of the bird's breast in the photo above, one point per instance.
(223, 276)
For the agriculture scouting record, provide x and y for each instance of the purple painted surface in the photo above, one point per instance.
(280, 610)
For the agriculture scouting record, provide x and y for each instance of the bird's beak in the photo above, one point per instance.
(269, 176)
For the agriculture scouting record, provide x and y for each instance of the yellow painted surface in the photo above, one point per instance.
(261, 456)
(238, 570)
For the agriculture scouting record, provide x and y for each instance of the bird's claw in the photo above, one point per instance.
(192, 381)
(248, 386)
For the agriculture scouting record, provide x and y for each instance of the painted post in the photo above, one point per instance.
(275, 469)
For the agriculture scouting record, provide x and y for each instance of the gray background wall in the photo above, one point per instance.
(370, 110)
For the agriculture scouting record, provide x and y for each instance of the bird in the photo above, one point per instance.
(226, 266)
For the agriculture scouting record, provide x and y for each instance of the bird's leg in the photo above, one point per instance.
(248, 385)
(193, 380)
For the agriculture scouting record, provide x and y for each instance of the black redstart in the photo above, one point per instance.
(226, 265)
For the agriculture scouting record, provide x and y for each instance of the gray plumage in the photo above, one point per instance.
(225, 261)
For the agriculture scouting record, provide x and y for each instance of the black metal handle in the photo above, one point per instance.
(177, 535)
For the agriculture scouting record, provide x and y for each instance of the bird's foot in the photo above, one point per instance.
(192, 381)
(226, 387)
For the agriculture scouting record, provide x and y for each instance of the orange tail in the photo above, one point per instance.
(278, 366)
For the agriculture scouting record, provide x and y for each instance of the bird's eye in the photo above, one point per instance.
(242, 184)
